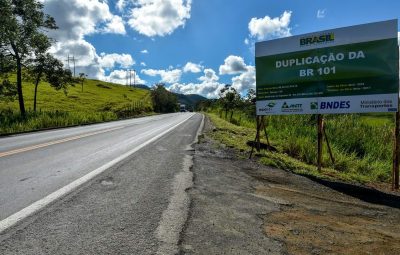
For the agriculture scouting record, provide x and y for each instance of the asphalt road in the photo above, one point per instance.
(136, 206)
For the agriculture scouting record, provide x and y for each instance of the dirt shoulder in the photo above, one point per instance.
(241, 207)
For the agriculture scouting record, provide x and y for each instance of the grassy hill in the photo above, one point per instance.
(99, 101)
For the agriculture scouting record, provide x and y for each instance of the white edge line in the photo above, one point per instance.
(40, 204)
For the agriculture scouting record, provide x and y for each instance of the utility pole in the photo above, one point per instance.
(126, 72)
(134, 78)
(73, 61)
(130, 77)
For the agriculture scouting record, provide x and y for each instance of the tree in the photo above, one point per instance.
(249, 103)
(163, 100)
(22, 35)
(251, 96)
(82, 77)
(46, 67)
(8, 91)
(229, 98)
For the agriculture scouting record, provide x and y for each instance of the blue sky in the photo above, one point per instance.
(193, 46)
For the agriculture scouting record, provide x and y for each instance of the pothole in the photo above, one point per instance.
(107, 181)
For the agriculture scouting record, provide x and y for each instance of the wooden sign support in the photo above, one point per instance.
(321, 134)
(320, 128)
(260, 124)
(396, 152)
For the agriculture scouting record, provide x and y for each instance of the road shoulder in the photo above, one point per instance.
(241, 207)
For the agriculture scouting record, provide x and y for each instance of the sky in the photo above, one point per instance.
(192, 46)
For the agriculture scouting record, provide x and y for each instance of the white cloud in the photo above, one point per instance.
(144, 51)
(208, 87)
(192, 67)
(77, 19)
(268, 27)
(120, 5)
(143, 64)
(246, 41)
(233, 65)
(110, 60)
(209, 76)
(115, 26)
(120, 77)
(167, 76)
(159, 17)
(321, 14)
(245, 81)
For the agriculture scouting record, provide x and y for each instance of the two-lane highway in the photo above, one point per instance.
(35, 165)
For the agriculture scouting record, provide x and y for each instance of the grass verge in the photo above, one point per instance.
(297, 153)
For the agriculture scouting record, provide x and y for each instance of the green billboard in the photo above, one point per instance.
(346, 70)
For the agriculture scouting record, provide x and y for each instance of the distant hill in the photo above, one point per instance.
(189, 100)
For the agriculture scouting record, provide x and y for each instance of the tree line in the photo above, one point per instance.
(229, 100)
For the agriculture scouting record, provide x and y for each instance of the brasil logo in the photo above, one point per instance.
(311, 40)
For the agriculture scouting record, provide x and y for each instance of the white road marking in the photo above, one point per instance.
(40, 204)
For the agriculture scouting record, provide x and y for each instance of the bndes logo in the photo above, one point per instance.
(334, 105)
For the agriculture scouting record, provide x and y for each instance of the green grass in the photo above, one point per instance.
(100, 101)
(361, 144)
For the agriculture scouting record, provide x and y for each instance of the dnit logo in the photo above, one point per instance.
(292, 107)
(271, 104)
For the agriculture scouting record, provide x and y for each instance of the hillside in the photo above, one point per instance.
(96, 96)
(99, 101)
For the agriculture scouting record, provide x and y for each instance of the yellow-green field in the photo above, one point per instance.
(96, 96)
(99, 101)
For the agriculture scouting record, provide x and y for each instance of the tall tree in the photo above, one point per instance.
(46, 67)
(22, 34)
(82, 77)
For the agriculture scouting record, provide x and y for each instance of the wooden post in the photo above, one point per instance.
(257, 139)
(320, 137)
(395, 176)
(258, 133)
(329, 146)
